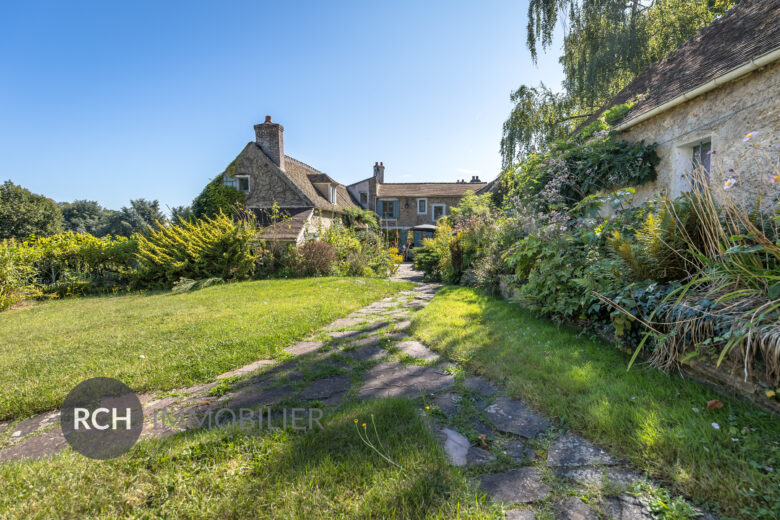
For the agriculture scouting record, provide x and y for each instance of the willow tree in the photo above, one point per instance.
(606, 44)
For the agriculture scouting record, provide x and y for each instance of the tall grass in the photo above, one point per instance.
(728, 306)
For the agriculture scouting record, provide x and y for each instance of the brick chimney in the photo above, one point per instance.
(270, 137)
(475, 178)
(379, 172)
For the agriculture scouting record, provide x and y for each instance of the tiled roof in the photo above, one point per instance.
(428, 189)
(288, 228)
(749, 30)
(299, 173)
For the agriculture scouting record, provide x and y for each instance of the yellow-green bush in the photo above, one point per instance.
(215, 247)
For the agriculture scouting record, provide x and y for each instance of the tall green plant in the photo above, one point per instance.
(217, 247)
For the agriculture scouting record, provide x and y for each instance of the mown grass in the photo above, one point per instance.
(643, 415)
(47, 349)
(324, 474)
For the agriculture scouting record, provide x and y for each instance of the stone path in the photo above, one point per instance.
(512, 453)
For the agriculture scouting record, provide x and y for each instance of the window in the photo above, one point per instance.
(332, 193)
(363, 196)
(422, 206)
(387, 209)
(239, 182)
(438, 211)
(701, 161)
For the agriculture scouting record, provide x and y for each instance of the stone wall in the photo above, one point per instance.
(723, 116)
(267, 183)
(408, 217)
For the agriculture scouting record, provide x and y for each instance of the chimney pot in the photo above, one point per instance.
(267, 119)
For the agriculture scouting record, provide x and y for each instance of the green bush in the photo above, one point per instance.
(317, 258)
(217, 198)
(217, 247)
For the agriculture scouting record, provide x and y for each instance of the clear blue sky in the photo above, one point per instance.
(110, 101)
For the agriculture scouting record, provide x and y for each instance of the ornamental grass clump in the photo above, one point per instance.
(728, 306)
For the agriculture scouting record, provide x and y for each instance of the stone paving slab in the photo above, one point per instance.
(591, 475)
(520, 514)
(571, 451)
(417, 350)
(515, 487)
(626, 507)
(478, 457)
(253, 396)
(35, 447)
(326, 388)
(363, 342)
(246, 369)
(34, 424)
(303, 347)
(512, 416)
(344, 323)
(390, 379)
(480, 385)
(367, 353)
(573, 508)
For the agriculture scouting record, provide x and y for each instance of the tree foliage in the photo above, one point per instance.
(136, 218)
(23, 213)
(607, 43)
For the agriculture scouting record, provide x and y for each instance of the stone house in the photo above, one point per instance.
(699, 103)
(308, 199)
(408, 211)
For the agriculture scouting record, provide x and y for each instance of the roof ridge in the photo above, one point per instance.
(293, 159)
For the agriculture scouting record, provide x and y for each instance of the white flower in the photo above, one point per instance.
(695, 410)
(734, 439)
(729, 183)
(775, 179)
(749, 136)
(142, 356)
(716, 426)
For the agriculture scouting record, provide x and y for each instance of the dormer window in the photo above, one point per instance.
(332, 193)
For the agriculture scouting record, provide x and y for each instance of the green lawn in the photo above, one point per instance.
(216, 473)
(643, 415)
(47, 349)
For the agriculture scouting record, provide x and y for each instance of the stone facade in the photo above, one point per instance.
(722, 117)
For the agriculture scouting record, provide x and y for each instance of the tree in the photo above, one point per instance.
(139, 217)
(180, 214)
(217, 197)
(23, 213)
(607, 43)
(85, 216)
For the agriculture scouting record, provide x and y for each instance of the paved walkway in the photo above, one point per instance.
(517, 455)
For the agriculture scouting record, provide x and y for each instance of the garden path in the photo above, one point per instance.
(513, 453)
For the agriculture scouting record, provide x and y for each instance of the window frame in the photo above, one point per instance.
(239, 178)
(443, 211)
(333, 194)
(362, 194)
(425, 211)
(384, 208)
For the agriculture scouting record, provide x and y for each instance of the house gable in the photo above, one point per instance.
(269, 184)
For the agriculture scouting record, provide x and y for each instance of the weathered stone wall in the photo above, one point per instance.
(408, 217)
(723, 116)
(267, 183)
(319, 222)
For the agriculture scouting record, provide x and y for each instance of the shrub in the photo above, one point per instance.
(217, 198)
(209, 248)
(318, 258)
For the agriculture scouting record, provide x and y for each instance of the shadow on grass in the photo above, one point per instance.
(658, 421)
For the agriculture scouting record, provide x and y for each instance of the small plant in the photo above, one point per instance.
(367, 441)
